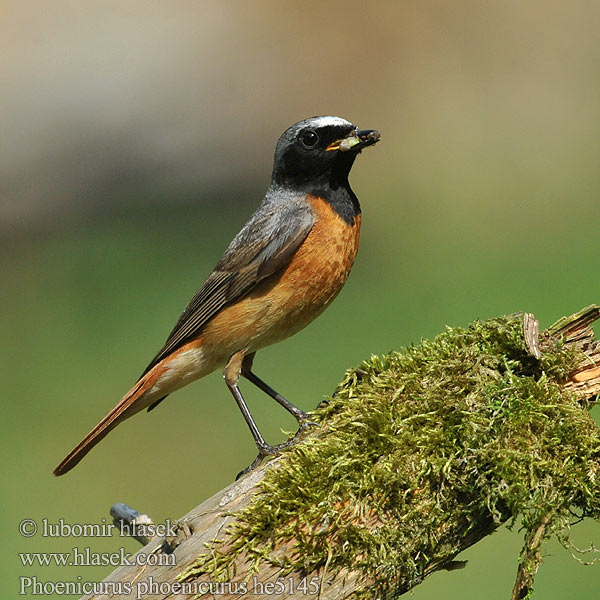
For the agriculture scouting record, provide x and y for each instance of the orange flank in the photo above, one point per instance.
(286, 302)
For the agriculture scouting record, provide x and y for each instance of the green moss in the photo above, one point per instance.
(420, 453)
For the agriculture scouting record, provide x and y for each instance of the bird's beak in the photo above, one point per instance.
(357, 139)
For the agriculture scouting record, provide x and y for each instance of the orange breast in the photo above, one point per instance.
(286, 302)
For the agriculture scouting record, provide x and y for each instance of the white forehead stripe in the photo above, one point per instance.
(329, 122)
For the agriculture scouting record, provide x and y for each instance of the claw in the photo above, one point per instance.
(250, 467)
(267, 450)
(304, 421)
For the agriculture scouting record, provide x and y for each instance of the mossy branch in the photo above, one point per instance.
(419, 455)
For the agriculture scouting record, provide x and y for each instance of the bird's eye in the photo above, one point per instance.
(309, 138)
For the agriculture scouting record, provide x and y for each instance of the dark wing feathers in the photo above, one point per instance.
(264, 246)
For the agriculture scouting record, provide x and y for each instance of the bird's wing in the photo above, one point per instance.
(264, 246)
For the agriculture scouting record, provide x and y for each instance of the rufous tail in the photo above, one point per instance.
(130, 404)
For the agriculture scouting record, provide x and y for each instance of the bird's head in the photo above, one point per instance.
(319, 149)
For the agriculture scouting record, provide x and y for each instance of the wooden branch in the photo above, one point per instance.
(530, 560)
(419, 501)
(131, 522)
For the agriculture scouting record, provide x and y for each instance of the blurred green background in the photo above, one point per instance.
(136, 140)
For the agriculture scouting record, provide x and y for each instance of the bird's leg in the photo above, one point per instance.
(231, 376)
(299, 415)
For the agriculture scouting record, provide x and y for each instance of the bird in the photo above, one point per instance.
(278, 274)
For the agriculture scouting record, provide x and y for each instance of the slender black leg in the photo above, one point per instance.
(298, 414)
(264, 449)
(241, 365)
(256, 434)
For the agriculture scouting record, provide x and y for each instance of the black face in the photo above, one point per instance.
(309, 153)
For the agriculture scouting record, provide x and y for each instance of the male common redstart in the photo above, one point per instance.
(279, 273)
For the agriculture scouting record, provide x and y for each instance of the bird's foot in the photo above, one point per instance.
(250, 467)
(265, 450)
(304, 422)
